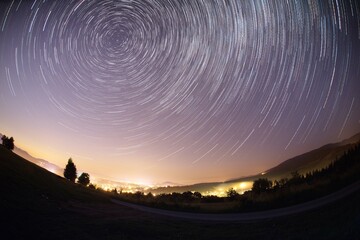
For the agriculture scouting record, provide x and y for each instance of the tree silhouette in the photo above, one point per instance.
(231, 193)
(197, 195)
(11, 144)
(8, 142)
(4, 139)
(84, 179)
(70, 171)
(261, 185)
(296, 178)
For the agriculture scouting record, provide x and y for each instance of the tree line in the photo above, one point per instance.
(70, 173)
(8, 142)
(265, 193)
(339, 166)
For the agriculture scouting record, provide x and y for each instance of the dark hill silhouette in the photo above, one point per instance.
(315, 159)
(37, 204)
(307, 162)
(34, 181)
(38, 161)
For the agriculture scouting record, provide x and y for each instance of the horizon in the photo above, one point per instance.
(186, 92)
(100, 179)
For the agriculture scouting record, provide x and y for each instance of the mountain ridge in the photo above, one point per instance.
(303, 163)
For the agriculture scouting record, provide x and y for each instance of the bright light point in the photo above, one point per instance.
(243, 185)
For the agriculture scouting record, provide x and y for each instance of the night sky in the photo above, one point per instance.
(182, 91)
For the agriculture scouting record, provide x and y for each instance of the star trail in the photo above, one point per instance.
(185, 91)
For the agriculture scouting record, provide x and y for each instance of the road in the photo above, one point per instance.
(251, 216)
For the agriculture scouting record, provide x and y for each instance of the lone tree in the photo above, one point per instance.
(232, 194)
(70, 171)
(8, 142)
(84, 179)
(261, 185)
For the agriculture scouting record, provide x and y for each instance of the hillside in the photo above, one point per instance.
(315, 159)
(38, 161)
(32, 197)
(95, 179)
(34, 181)
(36, 204)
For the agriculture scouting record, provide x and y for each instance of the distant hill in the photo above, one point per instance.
(315, 159)
(38, 161)
(102, 182)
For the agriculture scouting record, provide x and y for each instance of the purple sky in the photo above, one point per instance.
(185, 91)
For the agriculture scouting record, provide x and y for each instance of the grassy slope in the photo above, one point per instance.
(32, 197)
(37, 181)
(37, 203)
(314, 159)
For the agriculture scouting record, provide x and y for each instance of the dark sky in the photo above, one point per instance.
(185, 91)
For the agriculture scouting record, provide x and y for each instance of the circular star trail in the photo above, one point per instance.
(175, 88)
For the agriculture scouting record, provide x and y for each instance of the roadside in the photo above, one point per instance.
(250, 216)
